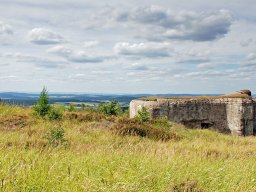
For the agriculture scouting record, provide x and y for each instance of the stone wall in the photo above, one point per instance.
(235, 115)
(254, 114)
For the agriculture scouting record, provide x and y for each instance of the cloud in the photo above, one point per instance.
(246, 43)
(83, 57)
(230, 74)
(194, 61)
(50, 64)
(8, 77)
(44, 36)
(158, 23)
(60, 50)
(151, 50)
(75, 56)
(250, 60)
(251, 57)
(37, 61)
(17, 56)
(5, 28)
(90, 44)
(210, 64)
(138, 67)
(202, 74)
(100, 72)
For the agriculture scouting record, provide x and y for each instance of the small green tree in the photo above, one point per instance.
(56, 136)
(42, 106)
(143, 115)
(110, 108)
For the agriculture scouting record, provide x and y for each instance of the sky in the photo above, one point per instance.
(135, 46)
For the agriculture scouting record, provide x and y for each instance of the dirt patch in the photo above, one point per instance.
(15, 122)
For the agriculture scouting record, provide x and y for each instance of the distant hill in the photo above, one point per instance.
(31, 98)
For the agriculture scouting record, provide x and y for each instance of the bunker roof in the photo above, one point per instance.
(244, 94)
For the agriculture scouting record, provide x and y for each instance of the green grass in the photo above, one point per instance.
(98, 159)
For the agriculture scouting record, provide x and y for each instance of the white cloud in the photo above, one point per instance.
(37, 61)
(138, 67)
(90, 44)
(76, 56)
(210, 65)
(241, 74)
(44, 36)
(17, 56)
(159, 23)
(151, 50)
(60, 50)
(251, 56)
(202, 74)
(8, 77)
(250, 61)
(84, 57)
(5, 28)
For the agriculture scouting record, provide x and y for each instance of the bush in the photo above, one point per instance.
(133, 127)
(110, 108)
(55, 114)
(143, 115)
(42, 106)
(85, 116)
(82, 107)
(161, 122)
(55, 136)
(71, 107)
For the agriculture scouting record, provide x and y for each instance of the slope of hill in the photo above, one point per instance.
(93, 152)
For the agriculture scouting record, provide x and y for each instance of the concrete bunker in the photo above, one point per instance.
(233, 113)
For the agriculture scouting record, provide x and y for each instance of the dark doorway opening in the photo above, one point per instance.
(206, 125)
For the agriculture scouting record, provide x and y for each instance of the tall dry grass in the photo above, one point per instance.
(99, 158)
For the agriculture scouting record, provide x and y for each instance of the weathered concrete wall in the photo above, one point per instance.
(235, 115)
(254, 114)
(240, 116)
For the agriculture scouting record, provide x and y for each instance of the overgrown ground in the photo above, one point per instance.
(99, 153)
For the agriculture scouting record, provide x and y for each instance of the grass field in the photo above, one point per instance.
(94, 156)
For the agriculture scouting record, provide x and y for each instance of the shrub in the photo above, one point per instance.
(42, 106)
(71, 107)
(161, 122)
(126, 112)
(82, 106)
(133, 127)
(143, 115)
(85, 116)
(110, 108)
(55, 136)
(55, 114)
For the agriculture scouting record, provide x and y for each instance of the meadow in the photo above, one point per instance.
(89, 151)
